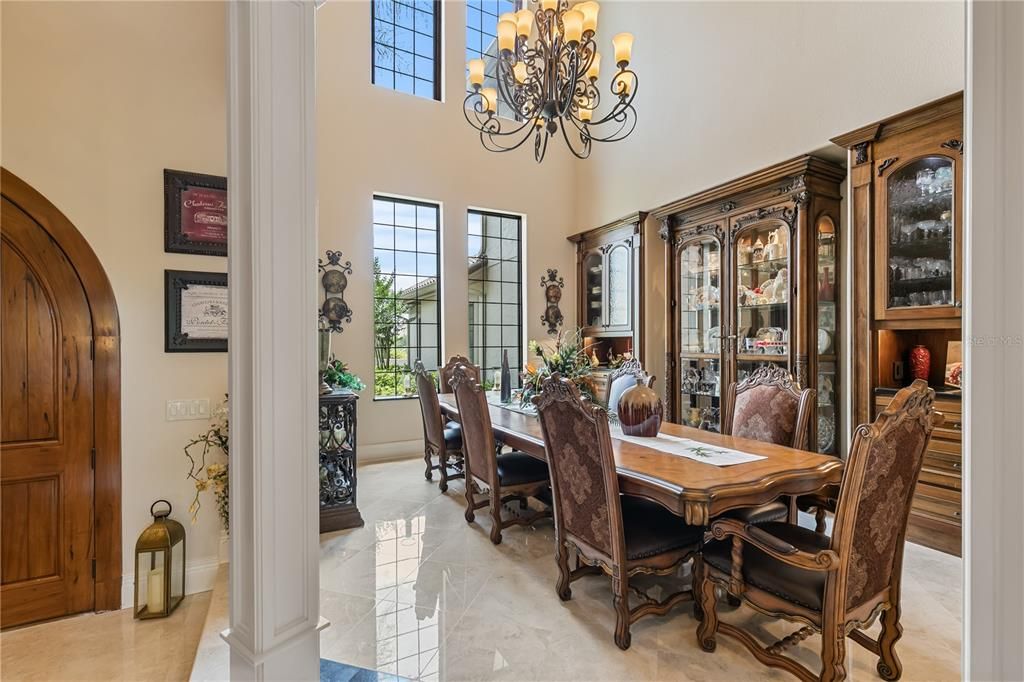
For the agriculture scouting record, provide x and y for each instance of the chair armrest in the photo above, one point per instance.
(825, 560)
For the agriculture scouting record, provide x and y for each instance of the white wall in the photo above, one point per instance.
(372, 139)
(99, 98)
(730, 87)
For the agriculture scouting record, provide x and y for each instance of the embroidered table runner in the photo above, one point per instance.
(672, 445)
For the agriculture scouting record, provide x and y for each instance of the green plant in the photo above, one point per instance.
(338, 376)
(568, 358)
(211, 476)
(390, 314)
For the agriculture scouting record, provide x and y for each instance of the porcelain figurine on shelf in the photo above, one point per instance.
(757, 255)
(745, 251)
(771, 250)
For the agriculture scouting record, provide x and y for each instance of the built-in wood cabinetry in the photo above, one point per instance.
(609, 276)
(907, 199)
(752, 277)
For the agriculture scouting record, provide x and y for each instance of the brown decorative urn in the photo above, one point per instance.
(640, 411)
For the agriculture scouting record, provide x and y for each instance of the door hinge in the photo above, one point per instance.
(92, 458)
(92, 347)
(94, 569)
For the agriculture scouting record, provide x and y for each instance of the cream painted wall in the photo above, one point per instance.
(99, 98)
(372, 139)
(730, 87)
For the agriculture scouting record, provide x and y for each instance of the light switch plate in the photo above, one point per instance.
(189, 408)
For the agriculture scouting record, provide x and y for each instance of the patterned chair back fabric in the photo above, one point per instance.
(447, 372)
(477, 438)
(878, 485)
(582, 465)
(768, 406)
(430, 408)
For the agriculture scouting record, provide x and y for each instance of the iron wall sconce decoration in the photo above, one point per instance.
(334, 279)
(552, 285)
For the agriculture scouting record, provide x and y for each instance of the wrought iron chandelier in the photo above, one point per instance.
(551, 85)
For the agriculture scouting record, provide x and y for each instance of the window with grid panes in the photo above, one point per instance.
(482, 42)
(495, 293)
(407, 46)
(406, 293)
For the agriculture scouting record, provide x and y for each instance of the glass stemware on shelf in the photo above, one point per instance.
(919, 200)
(593, 269)
(762, 297)
(701, 334)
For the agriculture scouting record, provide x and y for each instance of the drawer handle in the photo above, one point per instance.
(956, 514)
(956, 426)
(956, 465)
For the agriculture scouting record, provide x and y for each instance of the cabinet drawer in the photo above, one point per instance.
(944, 461)
(940, 477)
(942, 502)
(945, 447)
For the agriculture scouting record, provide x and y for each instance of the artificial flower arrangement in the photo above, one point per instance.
(212, 476)
(338, 376)
(568, 356)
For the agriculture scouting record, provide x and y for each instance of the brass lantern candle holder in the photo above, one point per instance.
(159, 565)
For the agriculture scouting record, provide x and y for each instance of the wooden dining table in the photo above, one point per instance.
(694, 490)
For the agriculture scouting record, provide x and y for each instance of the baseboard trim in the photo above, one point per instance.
(389, 452)
(200, 576)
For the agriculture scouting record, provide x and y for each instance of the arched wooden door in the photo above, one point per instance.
(48, 540)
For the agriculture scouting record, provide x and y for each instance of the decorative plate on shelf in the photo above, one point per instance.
(824, 341)
(826, 433)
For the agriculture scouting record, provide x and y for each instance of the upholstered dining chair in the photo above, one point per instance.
(834, 585)
(770, 407)
(621, 378)
(619, 535)
(446, 372)
(503, 477)
(440, 440)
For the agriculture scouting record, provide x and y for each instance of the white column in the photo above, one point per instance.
(993, 349)
(274, 578)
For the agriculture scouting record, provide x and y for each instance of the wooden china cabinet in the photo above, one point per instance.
(752, 275)
(609, 276)
(906, 191)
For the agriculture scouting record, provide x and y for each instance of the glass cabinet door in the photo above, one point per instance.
(593, 291)
(919, 235)
(827, 427)
(762, 296)
(619, 282)
(700, 322)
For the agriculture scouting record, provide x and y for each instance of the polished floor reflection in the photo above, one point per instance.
(418, 593)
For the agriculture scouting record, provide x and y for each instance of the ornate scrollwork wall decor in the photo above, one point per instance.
(727, 207)
(333, 281)
(552, 285)
(885, 164)
(861, 150)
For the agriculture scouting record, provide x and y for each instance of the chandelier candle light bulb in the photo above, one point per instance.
(547, 74)
(623, 44)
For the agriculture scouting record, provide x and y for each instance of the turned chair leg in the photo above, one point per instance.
(889, 666)
(833, 651)
(428, 474)
(819, 519)
(470, 499)
(496, 516)
(708, 626)
(443, 462)
(564, 573)
(620, 586)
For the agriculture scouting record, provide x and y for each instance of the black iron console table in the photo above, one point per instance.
(338, 508)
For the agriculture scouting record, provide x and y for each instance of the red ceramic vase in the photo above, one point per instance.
(640, 411)
(920, 362)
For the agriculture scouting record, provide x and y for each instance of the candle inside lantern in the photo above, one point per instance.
(589, 10)
(490, 96)
(572, 26)
(524, 22)
(155, 590)
(476, 72)
(507, 35)
(623, 44)
(595, 67)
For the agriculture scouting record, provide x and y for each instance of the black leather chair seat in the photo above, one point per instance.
(806, 588)
(766, 513)
(517, 468)
(453, 436)
(651, 529)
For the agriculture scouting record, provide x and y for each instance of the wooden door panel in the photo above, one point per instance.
(46, 478)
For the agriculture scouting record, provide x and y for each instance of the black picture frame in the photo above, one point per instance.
(176, 236)
(176, 341)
